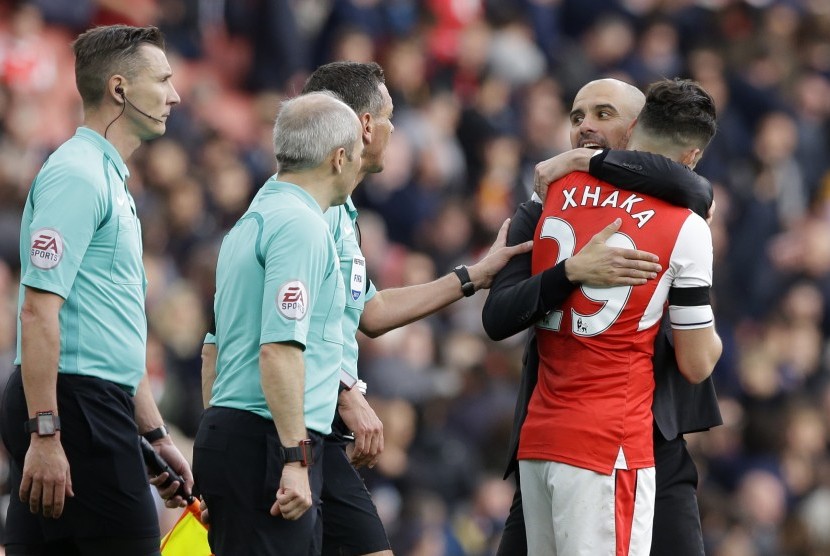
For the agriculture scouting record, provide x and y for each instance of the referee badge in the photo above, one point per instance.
(292, 300)
(46, 248)
(358, 281)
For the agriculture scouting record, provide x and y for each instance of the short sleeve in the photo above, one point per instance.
(691, 265)
(295, 255)
(67, 208)
(691, 259)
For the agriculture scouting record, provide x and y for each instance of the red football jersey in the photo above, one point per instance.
(596, 382)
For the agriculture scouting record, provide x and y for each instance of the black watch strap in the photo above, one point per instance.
(467, 286)
(156, 434)
(44, 423)
(302, 453)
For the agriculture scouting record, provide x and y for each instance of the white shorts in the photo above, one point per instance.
(570, 511)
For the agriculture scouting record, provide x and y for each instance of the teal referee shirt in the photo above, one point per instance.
(359, 289)
(278, 280)
(80, 239)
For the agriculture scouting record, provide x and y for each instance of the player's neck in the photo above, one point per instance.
(645, 144)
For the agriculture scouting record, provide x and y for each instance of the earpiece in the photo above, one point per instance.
(120, 90)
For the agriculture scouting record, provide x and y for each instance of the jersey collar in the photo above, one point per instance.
(295, 190)
(350, 208)
(106, 147)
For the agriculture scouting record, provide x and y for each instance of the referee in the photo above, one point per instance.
(279, 341)
(79, 397)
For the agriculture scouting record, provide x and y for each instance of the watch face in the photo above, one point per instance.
(45, 425)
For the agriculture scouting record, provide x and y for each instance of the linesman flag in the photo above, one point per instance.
(188, 537)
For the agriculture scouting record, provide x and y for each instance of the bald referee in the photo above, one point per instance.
(279, 341)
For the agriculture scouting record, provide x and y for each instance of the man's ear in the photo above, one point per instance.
(629, 131)
(338, 159)
(115, 87)
(367, 124)
(691, 157)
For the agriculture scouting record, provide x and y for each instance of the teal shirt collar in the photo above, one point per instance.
(276, 185)
(350, 208)
(108, 149)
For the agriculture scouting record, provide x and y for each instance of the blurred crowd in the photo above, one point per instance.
(482, 90)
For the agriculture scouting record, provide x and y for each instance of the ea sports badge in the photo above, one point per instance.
(46, 248)
(292, 300)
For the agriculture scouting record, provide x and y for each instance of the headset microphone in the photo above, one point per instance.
(120, 90)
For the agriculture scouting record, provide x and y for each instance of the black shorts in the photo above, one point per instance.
(99, 436)
(237, 466)
(351, 525)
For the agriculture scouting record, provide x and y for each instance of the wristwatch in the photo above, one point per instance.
(467, 286)
(155, 434)
(302, 453)
(45, 423)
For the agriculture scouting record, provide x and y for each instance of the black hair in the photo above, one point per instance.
(679, 110)
(355, 83)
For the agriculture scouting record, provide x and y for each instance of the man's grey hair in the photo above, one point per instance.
(309, 127)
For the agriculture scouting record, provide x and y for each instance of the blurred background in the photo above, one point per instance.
(482, 90)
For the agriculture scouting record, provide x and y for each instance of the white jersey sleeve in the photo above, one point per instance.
(691, 267)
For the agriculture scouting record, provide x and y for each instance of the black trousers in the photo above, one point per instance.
(677, 530)
(237, 466)
(351, 525)
(112, 511)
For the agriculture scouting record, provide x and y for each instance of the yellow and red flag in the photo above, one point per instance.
(188, 537)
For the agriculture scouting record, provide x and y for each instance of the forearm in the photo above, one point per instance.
(208, 372)
(396, 307)
(556, 286)
(390, 309)
(654, 175)
(147, 415)
(697, 352)
(40, 345)
(512, 308)
(515, 299)
(282, 371)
